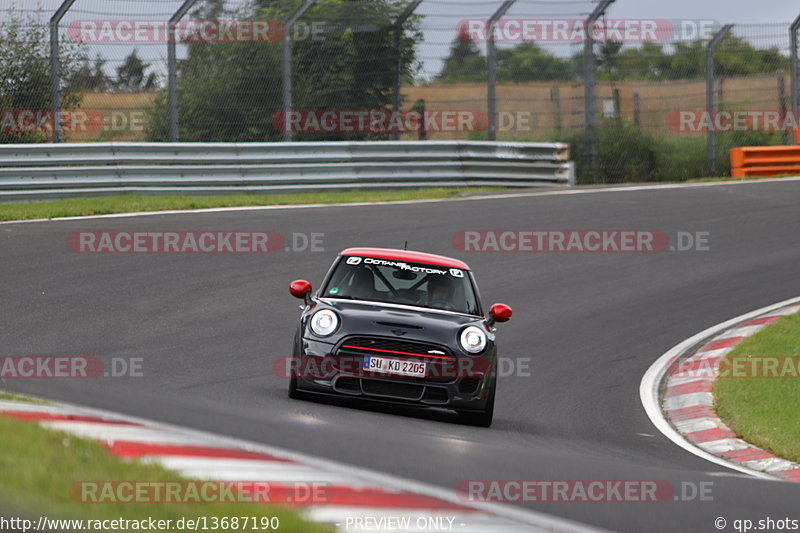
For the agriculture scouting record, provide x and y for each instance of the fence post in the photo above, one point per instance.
(287, 66)
(793, 54)
(781, 80)
(419, 107)
(491, 65)
(555, 98)
(617, 103)
(398, 69)
(637, 118)
(172, 68)
(55, 76)
(589, 75)
(712, 135)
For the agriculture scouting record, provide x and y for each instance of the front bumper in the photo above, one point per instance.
(318, 371)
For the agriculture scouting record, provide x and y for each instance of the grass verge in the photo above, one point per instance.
(108, 205)
(40, 466)
(746, 178)
(20, 398)
(131, 203)
(764, 410)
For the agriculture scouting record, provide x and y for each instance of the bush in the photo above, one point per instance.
(627, 154)
(233, 91)
(25, 76)
(624, 153)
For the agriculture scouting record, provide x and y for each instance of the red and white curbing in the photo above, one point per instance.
(687, 376)
(353, 492)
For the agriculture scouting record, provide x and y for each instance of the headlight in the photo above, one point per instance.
(324, 322)
(473, 339)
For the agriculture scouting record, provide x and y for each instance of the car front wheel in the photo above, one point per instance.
(482, 418)
(293, 392)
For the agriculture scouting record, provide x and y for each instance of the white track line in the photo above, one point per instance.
(649, 388)
(567, 192)
(511, 517)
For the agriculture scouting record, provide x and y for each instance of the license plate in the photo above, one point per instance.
(397, 367)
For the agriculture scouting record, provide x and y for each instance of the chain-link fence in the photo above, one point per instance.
(637, 99)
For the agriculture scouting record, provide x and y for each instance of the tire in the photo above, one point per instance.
(293, 392)
(481, 418)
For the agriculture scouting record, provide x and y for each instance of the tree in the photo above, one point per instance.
(647, 62)
(525, 62)
(737, 57)
(132, 76)
(734, 57)
(688, 61)
(529, 62)
(465, 62)
(343, 59)
(90, 77)
(609, 52)
(25, 77)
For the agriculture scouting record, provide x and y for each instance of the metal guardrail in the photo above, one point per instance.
(44, 171)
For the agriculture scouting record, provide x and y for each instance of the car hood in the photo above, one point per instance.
(361, 318)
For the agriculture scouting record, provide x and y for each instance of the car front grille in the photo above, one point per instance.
(469, 385)
(347, 385)
(435, 395)
(392, 389)
(442, 365)
(377, 345)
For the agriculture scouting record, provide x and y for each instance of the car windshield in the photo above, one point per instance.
(401, 282)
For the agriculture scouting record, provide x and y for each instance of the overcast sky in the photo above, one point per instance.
(742, 11)
(442, 16)
(733, 11)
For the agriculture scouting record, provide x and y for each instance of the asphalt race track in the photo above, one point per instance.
(208, 327)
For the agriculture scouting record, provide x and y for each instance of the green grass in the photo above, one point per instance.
(131, 203)
(746, 178)
(39, 466)
(19, 398)
(765, 411)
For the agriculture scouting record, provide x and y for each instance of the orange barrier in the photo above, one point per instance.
(765, 161)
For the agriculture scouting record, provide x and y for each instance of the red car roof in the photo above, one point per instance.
(406, 255)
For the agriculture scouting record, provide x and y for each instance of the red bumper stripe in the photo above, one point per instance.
(397, 352)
